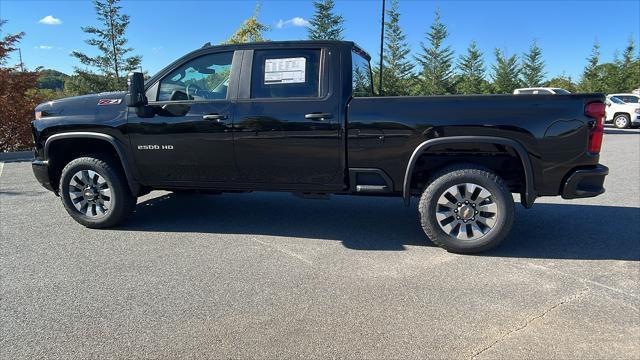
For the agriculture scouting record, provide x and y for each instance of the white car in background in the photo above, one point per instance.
(541, 91)
(628, 98)
(622, 114)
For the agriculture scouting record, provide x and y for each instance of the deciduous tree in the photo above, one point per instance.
(251, 30)
(17, 97)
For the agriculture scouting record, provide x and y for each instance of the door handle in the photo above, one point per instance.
(216, 117)
(318, 116)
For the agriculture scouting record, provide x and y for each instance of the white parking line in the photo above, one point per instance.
(1, 167)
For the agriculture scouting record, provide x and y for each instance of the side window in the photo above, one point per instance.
(361, 83)
(628, 99)
(285, 73)
(203, 78)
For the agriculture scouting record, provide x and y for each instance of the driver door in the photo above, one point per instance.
(188, 138)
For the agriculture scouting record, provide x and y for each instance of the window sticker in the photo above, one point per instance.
(284, 70)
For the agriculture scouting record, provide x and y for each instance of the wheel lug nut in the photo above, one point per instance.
(459, 204)
(455, 211)
(466, 202)
(474, 205)
(458, 217)
(476, 211)
(473, 219)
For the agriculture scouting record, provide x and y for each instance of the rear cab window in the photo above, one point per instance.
(361, 78)
(286, 73)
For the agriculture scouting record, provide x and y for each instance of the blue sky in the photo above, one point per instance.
(162, 31)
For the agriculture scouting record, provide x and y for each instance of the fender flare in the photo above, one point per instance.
(527, 198)
(134, 186)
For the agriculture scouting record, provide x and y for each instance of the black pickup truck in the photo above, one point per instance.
(302, 117)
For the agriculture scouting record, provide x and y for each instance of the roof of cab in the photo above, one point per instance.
(287, 43)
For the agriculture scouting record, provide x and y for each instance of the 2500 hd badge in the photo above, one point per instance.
(155, 147)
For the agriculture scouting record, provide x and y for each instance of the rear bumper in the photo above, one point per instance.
(585, 182)
(41, 171)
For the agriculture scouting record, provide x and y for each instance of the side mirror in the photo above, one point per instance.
(136, 96)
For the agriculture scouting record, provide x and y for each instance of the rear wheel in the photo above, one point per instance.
(621, 121)
(466, 209)
(94, 192)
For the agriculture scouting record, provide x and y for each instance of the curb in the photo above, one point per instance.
(16, 156)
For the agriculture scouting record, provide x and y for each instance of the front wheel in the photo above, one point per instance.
(466, 209)
(95, 193)
(621, 121)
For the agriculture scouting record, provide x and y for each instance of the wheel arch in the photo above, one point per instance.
(113, 143)
(529, 193)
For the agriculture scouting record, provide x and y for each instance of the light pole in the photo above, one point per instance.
(381, 48)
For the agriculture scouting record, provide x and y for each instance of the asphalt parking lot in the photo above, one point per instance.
(266, 275)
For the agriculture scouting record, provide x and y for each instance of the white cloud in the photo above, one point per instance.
(50, 20)
(295, 21)
(44, 47)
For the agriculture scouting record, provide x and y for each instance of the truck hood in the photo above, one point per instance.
(83, 105)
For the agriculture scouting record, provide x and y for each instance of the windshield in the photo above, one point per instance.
(561, 91)
(616, 100)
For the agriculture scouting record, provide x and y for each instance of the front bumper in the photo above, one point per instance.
(41, 171)
(585, 182)
(635, 120)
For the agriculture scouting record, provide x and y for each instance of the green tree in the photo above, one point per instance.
(533, 67)
(251, 30)
(607, 77)
(506, 73)
(398, 70)
(325, 24)
(436, 60)
(563, 82)
(471, 79)
(52, 79)
(627, 76)
(112, 63)
(589, 81)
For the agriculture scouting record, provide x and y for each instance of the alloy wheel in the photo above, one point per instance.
(466, 211)
(90, 193)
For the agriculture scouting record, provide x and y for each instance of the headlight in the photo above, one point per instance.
(638, 111)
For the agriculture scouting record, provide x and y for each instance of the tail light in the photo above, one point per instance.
(596, 111)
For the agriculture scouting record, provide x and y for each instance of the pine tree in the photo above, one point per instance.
(250, 31)
(398, 70)
(627, 79)
(506, 73)
(436, 76)
(112, 64)
(589, 80)
(533, 67)
(325, 25)
(472, 71)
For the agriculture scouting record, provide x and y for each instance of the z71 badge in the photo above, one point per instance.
(109, 101)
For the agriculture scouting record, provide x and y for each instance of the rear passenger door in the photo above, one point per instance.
(287, 119)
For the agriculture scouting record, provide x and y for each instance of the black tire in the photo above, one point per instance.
(121, 202)
(500, 199)
(622, 121)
